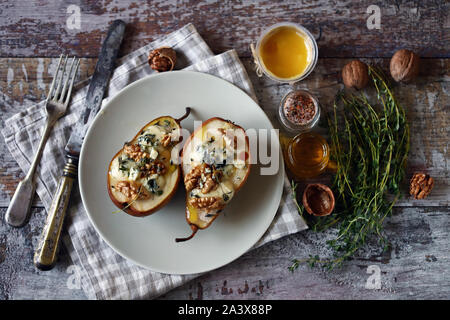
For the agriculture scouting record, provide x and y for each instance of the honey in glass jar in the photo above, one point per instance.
(286, 52)
(307, 155)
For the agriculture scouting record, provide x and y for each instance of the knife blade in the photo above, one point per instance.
(47, 249)
(97, 86)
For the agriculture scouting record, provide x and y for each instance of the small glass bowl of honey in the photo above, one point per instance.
(286, 52)
(307, 155)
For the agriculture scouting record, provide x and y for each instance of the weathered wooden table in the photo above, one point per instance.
(418, 264)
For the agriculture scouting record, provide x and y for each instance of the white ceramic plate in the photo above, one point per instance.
(150, 241)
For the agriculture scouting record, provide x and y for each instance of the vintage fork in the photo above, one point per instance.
(55, 105)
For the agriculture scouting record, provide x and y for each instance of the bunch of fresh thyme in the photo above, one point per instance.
(370, 145)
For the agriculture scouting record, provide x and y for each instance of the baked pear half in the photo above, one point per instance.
(216, 164)
(142, 176)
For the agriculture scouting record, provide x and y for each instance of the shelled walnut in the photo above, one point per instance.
(132, 190)
(203, 176)
(210, 203)
(134, 152)
(156, 167)
(162, 59)
(191, 179)
(421, 185)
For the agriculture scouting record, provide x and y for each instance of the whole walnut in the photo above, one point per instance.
(355, 74)
(404, 65)
(162, 59)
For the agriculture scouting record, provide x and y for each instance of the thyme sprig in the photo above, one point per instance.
(370, 144)
(300, 207)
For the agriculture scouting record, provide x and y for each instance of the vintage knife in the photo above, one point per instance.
(46, 252)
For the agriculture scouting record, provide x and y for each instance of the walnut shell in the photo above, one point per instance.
(318, 199)
(355, 74)
(404, 65)
(421, 185)
(162, 59)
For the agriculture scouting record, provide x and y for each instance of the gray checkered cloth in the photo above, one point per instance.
(104, 273)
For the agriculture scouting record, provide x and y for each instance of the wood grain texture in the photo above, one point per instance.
(19, 279)
(415, 267)
(24, 82)
(39, 28)
(408, 271)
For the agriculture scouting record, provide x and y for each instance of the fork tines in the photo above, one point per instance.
(62, 93)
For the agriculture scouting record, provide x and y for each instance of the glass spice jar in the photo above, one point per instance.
(299, 111)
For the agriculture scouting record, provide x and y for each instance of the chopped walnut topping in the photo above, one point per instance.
(191, 179)
(134, 152)
(209, 203)
(155, 167)
(203, 176)
(149, 166)
(209, 184)
(131, 190)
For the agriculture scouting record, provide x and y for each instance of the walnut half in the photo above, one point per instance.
(203, 176)
(132, 190)
(134, 152)
(156, 167)
(209, 203)
(421, 185)
(191, 179)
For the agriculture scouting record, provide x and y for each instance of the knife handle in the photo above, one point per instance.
(47, 249)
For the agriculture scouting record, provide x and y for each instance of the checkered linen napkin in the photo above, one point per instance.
(105, 274)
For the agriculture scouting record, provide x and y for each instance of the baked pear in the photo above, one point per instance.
(142, 176)
(216, 163)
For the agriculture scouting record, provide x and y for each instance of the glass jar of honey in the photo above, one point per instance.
(307, 155)
(286, 52)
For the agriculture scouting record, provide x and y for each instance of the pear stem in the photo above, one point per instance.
(194, 231)
(188, 111)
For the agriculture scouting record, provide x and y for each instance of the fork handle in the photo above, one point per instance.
(19, 207)
(17, 212)
(47, 249)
